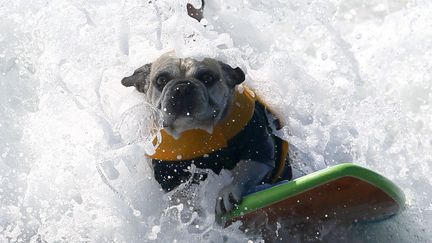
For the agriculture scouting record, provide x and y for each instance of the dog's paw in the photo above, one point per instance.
(227, 198)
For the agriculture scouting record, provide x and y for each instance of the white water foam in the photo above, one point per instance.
(352, 79)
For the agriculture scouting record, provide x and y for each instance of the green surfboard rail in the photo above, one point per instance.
(266, 197)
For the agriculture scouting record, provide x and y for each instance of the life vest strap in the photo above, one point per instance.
(283, 154)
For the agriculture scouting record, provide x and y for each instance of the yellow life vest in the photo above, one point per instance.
(196, 143)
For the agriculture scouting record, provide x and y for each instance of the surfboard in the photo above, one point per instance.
(345, 193)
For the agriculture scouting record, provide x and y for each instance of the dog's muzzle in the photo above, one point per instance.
(184, 98)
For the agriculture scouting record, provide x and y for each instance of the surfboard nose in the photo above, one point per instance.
(346, 193)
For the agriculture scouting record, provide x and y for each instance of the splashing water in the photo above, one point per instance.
(351, 79)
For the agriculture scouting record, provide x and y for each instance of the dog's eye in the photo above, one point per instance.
(161, 81)
(207, 79)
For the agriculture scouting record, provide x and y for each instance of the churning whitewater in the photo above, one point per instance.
(352, 79)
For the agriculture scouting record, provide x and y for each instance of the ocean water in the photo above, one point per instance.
(352, 79)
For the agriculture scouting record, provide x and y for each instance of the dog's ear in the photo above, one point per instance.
(196, 13)
(139, 79)
(236, 75)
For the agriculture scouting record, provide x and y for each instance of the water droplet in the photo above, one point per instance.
(136, 213)
(324, 56)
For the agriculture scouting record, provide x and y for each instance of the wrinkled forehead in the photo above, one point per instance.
(183, 66)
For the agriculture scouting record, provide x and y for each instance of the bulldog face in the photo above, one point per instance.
(190, 94)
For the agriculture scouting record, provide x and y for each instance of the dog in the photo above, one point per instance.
(210, 122)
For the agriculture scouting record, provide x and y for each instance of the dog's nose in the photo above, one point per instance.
(184, 88)
(182, 97)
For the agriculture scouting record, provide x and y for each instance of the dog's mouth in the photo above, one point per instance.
(204, 117)
(176, 125)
